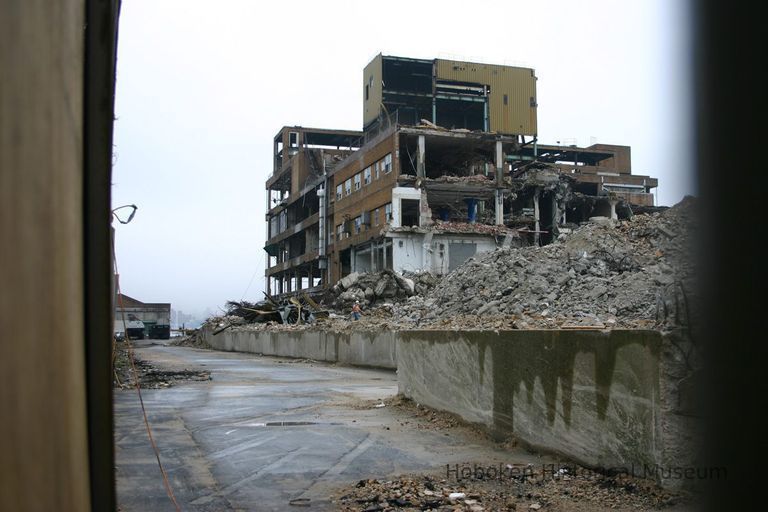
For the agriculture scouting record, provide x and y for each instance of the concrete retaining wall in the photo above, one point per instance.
(359, 348)
(609, 399)
(604, 399)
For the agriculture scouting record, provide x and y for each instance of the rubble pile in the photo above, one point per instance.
(441, 226)
(301, 310)
(384, 286)
(192, 338)
(633, 274)
(423, 281)
(629, 274)
(472, 178)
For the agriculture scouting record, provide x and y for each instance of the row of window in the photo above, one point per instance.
(383, 166)
(372, 218)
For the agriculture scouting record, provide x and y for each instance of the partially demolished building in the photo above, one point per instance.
(447, 165)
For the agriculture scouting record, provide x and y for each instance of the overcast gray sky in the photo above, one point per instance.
(202, 87)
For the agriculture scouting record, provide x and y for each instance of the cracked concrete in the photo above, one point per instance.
(221, 453)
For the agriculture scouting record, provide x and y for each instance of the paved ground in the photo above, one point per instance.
(265, 431)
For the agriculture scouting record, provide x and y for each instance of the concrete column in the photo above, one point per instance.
(555, 213)
(384, 254)
(471, 210)
(613, 209)
(537, 226)
(499, 165)
(425, 213)
(499, 207)
(373, 257)
(352, 260)
(421, 158)
(269, 205)
(426, 254)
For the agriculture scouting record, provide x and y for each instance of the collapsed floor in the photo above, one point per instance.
(634, 273)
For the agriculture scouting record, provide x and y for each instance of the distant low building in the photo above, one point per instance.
(155, 317)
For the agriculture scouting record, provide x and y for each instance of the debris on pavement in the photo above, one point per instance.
(149, 375)
(192, 338)
(520, 487)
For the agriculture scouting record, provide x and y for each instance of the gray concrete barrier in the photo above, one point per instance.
(605, 399)
(363, 348)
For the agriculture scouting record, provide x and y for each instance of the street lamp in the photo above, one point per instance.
(130, 217)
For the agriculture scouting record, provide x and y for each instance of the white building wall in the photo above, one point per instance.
(407, 252)
(398, 194)
(411, 254)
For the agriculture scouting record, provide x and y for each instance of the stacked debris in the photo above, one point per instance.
(472, 178)
(292, 310)
(636, 273)
(441, 226)
(631, 274)
(423, 281)
(368, 288)
(253, 312)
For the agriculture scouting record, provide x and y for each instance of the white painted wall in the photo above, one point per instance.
(407, 252)
(398, 194)
(410, 255)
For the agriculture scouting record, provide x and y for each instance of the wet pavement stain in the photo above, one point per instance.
(261, 433)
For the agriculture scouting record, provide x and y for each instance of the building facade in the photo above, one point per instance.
(154, 318)
(448, 165)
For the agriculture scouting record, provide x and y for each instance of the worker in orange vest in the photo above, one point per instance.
(356, 311)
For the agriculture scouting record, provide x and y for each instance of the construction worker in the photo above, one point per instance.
(356, 311)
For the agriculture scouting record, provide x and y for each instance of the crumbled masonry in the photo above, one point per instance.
(629, 274)
(635, 274)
